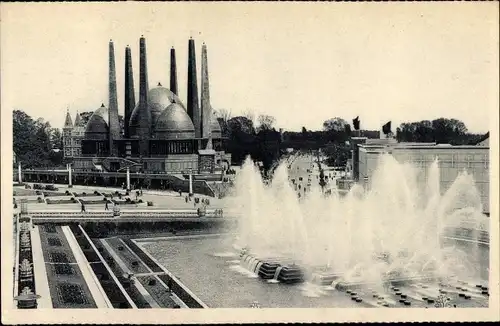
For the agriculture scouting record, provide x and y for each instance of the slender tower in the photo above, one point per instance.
(144, 113)
(206, 109)
(173, 72)
(129, 90)
(114, 124)
(193, 109)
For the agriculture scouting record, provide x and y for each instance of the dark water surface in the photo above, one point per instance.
(208, 267)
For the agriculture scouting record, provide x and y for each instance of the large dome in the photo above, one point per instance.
(158, 100)
(98, 126)
(174, 123)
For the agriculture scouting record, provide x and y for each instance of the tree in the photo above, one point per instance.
(223, 114)
(442, 130)
(335, 124)
(31, 140)
(265, 122)
(56, 138)
(85, 117)
(250, 115)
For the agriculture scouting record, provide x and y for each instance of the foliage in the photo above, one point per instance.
(335, 124)
(441, 131)
(34, 141)
(265, 122)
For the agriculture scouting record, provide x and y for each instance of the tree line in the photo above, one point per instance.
(38, 145)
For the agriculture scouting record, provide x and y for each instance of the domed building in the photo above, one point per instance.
(159, 133)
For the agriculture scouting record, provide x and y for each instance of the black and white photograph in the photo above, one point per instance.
(254, 156)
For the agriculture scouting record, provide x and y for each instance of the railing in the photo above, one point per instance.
(213, 213)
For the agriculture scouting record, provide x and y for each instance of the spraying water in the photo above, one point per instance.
(392, 230)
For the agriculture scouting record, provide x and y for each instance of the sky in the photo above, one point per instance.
(302, 63)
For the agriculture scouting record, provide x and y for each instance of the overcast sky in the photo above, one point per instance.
(301, 63)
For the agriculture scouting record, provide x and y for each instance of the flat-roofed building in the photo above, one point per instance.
(452, 161)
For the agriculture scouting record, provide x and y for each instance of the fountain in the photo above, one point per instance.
(25, 241)
(25, 269)
(391, 234)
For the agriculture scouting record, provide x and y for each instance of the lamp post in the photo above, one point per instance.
(128, 178)
(19, 173)
(190, 183)
(70, 177)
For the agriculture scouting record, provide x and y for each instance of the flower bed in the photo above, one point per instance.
(49, 228)
(115, 194)
(90, 194)
(69, 293)
(58, 257)
(61, 201)
(54, 194)
(157, 291)
(25, 254)
(54, 242)
(128, 201)
(134, 294)
(94, 201)
(23, 192)
(128, 258)
(63, 269)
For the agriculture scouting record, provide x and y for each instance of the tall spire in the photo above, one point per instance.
(143, 73)
(129, 90)
(143, 128)
(173, 72)
(206, 109)
(68, 122)
(114, 124)
(78, 120)
(192, 97)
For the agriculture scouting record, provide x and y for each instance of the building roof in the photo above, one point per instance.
(68, 123)
(98, 122)
(78, 120)
(159, 98)
(174, 123)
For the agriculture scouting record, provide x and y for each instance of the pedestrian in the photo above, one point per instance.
(180, 193)
(141, 192)
(83, 208)
(187, 199)
(106, 208)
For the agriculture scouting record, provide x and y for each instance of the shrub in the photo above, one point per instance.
(152, 282)
(150, 203)
(135, 263)
(71, 293)
(96, 192)
(139, 201)
(120, 248)
(40, 200)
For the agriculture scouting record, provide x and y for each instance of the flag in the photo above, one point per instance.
(386, 129)
(355, 123)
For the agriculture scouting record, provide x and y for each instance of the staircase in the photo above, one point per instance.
(122, 162)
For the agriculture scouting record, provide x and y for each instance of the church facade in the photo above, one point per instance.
(159, 134)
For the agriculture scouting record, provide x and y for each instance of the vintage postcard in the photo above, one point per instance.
(249, 162)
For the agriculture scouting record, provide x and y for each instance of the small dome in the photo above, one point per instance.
(98, 127)
(174, 123)
(158, 100)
